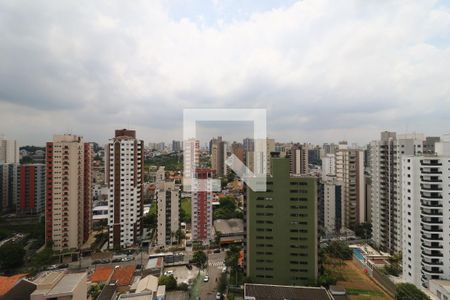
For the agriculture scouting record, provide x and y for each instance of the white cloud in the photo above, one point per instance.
(323, 68)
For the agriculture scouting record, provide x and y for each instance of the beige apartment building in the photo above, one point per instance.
(68, 203)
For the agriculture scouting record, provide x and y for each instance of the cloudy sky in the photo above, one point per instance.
(325, 70)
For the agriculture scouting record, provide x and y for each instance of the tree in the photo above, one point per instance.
(169, 281)
(407, 291)
(217, 238)
(394, 267)
(200, 259)
(339, 249)
(43, 258)
(11, 255)
(179, 234)
(363, 230)
(95, 290)
(222, 284)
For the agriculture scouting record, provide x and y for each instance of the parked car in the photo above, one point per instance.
(189, 266)
(217, 250)
(206, 278)
(168, 273)
(219, 296)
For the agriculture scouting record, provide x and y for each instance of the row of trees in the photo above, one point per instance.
(227, 209)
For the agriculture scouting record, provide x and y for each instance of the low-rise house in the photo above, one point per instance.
(60, 286)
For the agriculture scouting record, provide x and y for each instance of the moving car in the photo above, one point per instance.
(206, 279)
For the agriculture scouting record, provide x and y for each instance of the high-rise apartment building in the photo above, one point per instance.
(282, 241)
(428, 144)
(299, 159)
(314, 155)
(426, 222)
(191, 160)
(249, 145)
(31, 189)
(385, 170)
(168, 201)
(238, 150)
(8, 186)
(218, 154)
(202, 198)
(176, 146)
(332, 205)
(350, 173)
(328, 165)
(9, 151)
(68, 203)
(125, 175)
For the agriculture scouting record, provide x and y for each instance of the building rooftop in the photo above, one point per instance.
(102, 274)
(123, 275)
(443, 283)
(229, 227)
(155, 263)
(137, 296)
(148, 283)
(280, 292)
(7, 282)
(67, 284)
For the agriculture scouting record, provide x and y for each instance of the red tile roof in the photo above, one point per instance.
(7, 282)
(123, 275)
(102, 274)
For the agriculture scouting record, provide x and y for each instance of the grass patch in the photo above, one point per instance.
(186, 208)
(351, 291)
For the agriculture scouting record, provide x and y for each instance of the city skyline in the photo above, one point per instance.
(323, 70)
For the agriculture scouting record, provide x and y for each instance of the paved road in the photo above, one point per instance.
(208, 290)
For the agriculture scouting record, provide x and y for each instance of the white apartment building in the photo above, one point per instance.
(68, 201)
(385, 169)
(168, 199)
(124, 174)
(425, 219)
(332, 205)
(191, 161)
(9, 151)
(328, 165)
(299, 160)
(350, 173)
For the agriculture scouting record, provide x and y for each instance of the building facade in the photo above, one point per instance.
(8, 187)
(426, 222)
(385, 170)
(168, 200)
(332, 205)
(9, 151)
(299, 159)
(202, 198)
(125, 176)
(350, 173)
(68, 202)
(31, 189)
(281, 225)
(191, 160)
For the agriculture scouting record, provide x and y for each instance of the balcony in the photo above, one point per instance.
(430, 162)
(430, 187)
(431, 195)
(432, 221)
(432, 229)
(431, 204)
(432, 246)
(432, 271)
(431, 171)
(431, 254)
(431, 238)
(432, 263)
(432, 179)
(431, 212)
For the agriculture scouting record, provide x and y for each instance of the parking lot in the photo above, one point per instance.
(183, 274)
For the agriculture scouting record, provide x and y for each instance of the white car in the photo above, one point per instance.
(206, 279)
(218, 296)
(168, 273)
(224, 269)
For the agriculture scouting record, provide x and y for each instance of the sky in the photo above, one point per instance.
(325, 70)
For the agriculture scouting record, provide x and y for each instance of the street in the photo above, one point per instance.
(208, 290)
